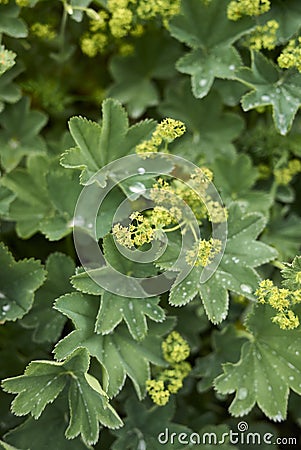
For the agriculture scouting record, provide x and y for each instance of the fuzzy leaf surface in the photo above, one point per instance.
(269, 366)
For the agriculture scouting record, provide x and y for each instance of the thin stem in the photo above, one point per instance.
(278, 264)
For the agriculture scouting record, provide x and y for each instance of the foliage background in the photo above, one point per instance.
(60, 59)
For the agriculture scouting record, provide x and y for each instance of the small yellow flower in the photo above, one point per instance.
(238, 8)
(157, 392)
(264, 36)
(43, 31)
(175, 348)
(203, 252)
(170, 129)
(291, 55)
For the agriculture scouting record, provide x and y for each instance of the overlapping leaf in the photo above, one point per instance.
(18, 282)
(10, 23)
(46, 321)
(97, 145)
(154, 58)
(143, 426)
(236, 271)
(212, 55)
(235, 179)
(37, 434)
(20, 133)
(268, 367)
(119, 354)
(42, 383)
(272, 86)
(202, 118)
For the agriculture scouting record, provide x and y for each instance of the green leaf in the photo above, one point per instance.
(9, 92)
(292, 274)
(287, 15)
(144, 424)
(7, 59)
(154, 58)
(269, 365)
(212, 55)
(97, 145)
(284, 233)
(113, 309)
(46, 321)
(6, 197)
(236, 270)
(32, 204)
(10, 24)
(43, 381)
(19, 135)
(119, 354)
(235, 179)
(202, 118)
(271, 86)
(5, 446)
(19, 280)
(226, 345)
(37, 434)
(92, 281)
(63, 191)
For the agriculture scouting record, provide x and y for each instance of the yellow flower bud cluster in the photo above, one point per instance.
(175, 351)
(166, 132)
(239, 8)
(43, 31)
(123, 18)
(291, 55)
(22, 3)
(281, 300)
(143, 229)
(285, 175)
(203, 252)
(264, 36)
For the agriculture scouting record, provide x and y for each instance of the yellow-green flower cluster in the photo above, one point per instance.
(149, 9)
(166, 131)
(139, 232)
(285, 175)
(239, 8)
(22, 3)
(264, 36)
(203, 252)
(175, 351)
(175, 348)
(96, 40)
(281, 300)
(291, 55)
(43, 31)
(143, 229)
(216, 212)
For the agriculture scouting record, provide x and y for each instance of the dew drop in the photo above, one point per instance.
(2, 295)
(246, 288)
(203, 82)
(242, 393)
(265, 98)
(141, 170)
(131, 306)
(235, 260)
(231, 67)
(6, 308)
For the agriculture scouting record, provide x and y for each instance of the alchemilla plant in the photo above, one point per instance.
(150, 283)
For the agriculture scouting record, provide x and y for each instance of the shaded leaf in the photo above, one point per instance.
(18, 282)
